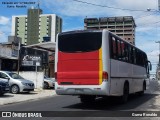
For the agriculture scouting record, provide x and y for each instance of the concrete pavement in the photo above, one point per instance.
(154, 89)
(9, 98)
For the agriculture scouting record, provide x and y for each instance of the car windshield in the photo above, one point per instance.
(15, 76)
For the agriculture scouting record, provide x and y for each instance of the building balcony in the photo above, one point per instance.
(128, 28)
(93, 26)
(111, 24)
(105, 25)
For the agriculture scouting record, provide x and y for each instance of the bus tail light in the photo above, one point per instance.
(105, 75)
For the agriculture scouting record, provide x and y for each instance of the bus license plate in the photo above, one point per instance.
(79, 90)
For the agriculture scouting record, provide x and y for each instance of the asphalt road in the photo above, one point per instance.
(147, 102)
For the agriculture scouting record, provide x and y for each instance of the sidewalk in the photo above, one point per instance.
(9, 98)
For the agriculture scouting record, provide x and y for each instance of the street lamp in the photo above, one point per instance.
(152, 10)
(159, 51)
(19, 48)
(158, 66)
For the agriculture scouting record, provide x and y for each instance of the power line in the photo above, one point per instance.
(154, 11)
(145, 16)
(148, 24)
(110, 6)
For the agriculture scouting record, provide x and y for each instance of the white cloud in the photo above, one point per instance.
(5, 28)
(3, 37)
(4, 20)
(137, 4)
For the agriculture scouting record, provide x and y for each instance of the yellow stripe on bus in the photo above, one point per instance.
(100, 66)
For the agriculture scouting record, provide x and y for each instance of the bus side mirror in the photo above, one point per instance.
(150, 65)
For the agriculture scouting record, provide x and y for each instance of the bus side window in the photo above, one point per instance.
(114, 53)
(141, 58)
(145, 60)
(122, 49)
(126, 52)
(119, 50)
(138, 57)
(131, 56)
(134, 56)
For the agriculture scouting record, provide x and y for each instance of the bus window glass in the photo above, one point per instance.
(138, 57)
(123, 50)
(119, 49)
(131, 55)
(134, 56)
(114, 53)
(126, 52)
(145, 61)
(80, 42)
(141, 58)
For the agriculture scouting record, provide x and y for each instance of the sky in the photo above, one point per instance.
(73, 12)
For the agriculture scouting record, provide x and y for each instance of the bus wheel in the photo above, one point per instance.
(124, 97)
(87, 98)
(144, 88)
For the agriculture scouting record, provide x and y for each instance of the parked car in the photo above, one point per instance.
(152, 77)
(4, 87)
(49, 82)
(16, 82)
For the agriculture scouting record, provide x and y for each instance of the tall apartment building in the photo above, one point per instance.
(121, 26)
(36, 27)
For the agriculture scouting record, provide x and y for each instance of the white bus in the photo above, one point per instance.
(93, 63)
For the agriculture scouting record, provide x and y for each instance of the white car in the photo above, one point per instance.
(16, 82)
(152, 77)
(49, 82)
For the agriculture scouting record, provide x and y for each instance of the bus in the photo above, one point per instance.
(98, 63)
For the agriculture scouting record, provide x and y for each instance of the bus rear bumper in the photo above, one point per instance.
(83, 90)
(80, 91)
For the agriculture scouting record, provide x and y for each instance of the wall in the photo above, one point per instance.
(37, 78)
(5, 51)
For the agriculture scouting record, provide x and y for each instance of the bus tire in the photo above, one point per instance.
(124, 97)
(144, 88)
(87, 99)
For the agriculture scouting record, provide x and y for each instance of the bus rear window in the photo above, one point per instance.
(80, 42)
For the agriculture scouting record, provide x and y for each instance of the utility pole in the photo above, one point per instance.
(159, 51)
(158, 67)
(159, 5)
(38, 5)
(19, 48)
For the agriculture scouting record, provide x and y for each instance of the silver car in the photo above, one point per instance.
(16, 82)
(49, 82)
